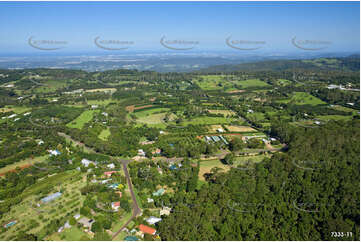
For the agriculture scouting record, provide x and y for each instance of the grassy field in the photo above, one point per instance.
(152, 117)
(224, 112)
(303, 98)
(104, 134)
(207, 165)
(50, 86)
(236, 128)
(100, 102)
(28, 161)
(252, 83)
(15, 109)
(208, 120)
(333, 117)
(83, 118)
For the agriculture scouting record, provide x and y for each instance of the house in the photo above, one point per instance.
(317, 122)
(86, 162)
(141, 152)
(351, 104)
(40, 142)
(157, 151)
(173, 167)
(165, 211)
(114, 185)
(159, 192)
(250, 111)
(273, 139)
(60, 229)
(150, 200)
(94, 106)
(220, 130)
(105, 114)
(161, 132)
(153, 220)
(115, 206)
(215, 138)
(111, 166)
(16, 119)
(147, 230)
(50, 197)
(76, 216)
(223, 139)
(105, 181)
(26, 114)
(87, 223)
(109, 173)
(12, 115)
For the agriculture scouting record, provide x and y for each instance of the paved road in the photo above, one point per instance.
(136, 209)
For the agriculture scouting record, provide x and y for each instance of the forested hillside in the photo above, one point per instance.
(303, 194)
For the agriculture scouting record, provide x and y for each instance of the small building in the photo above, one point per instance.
(147, 230)
(114, 185)
(165, 211)
(76, 216)
(87, 223)
(150, 200)
(317, 122)
(11, 223)
(173, 167)
(220, 130)
(54, 152)
(94, 106)
(215, 138)
(50, 197)
(223, 139)
(131, 238)
(156, 152)
(115, 206)
(159, 192)
(40, 142)
(13, 115)
(153, 220)
(111, 166)
(141, 152)
(86, 162)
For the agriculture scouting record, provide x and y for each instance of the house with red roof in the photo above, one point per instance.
(109, 173)
(147, 230)
(115, 206)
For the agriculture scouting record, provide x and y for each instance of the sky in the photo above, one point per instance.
(265, 26)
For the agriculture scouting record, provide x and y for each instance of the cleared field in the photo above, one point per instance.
(208, 120)
(104, 134)
(333, 117)
(23, 163)
(50, 86)
(111, 90)
(207, 165)
(15, 109)
(224, 112)
(253, 83)
(303, 98)
(83, 118)
(213, 128)
(131, 108)
(216, 82)
(235, 128)
(100, 102)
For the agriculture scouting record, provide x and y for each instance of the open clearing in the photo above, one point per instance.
(236, 128)
(252, 83)
(224, 112)
(25, 162)
(111, 90)
(208, 120)
(82, 119)
(104, 134)
(303, 98)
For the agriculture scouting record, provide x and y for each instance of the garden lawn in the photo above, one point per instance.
(82, 119)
